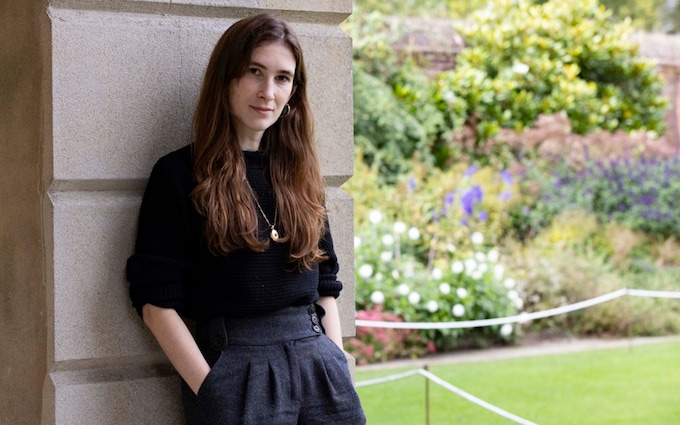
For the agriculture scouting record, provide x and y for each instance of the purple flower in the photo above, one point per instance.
(505, 196)
(483, 215)
(648, 199)
(506, 177)
(478, 193)
(470, 171)
(468, 203)
(412, 183)
(472, 197)
(448, 199)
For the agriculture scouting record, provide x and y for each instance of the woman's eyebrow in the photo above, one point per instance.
(281, 71)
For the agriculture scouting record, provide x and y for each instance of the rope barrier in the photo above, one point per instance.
(434, 378)
(520, 318)
(386, 379)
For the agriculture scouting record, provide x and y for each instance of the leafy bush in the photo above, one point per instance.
(446, 205)
(641, 193)
(386, 133)
(395, 108)
(425, 251)
(525, 60)
(570, 262)
(372, 345)
(392, 276)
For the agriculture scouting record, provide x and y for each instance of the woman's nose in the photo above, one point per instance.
(267, 90)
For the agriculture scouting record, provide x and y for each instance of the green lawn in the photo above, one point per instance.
(617, 386)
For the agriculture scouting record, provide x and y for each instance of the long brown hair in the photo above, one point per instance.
(221, 195)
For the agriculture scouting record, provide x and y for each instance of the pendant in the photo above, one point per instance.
(274, 234)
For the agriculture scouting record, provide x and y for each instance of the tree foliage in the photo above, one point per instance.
(647, 15)
(422, 8)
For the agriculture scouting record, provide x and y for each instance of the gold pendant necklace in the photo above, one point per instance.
(273, 233)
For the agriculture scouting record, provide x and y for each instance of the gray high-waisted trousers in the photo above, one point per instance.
(279, 369)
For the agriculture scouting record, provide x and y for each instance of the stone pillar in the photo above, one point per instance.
(97, 91)
(23, 327)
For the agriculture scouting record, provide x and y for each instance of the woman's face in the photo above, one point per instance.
(258, 97)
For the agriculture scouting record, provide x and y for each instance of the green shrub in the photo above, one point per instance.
(384, 130)
(525, 60)
(396, 113)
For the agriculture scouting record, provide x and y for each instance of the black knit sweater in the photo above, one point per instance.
(173, 268)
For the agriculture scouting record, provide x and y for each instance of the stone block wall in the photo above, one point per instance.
(97, 91)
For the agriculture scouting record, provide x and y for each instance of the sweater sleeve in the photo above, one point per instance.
(329, 285)
(159, 269)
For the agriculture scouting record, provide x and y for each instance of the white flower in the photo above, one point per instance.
(414, 298)
(449, 96)
(445, 288)
(470, 265)
(520, 68)
(437, 273)
(519, 303)
(506, 330)
(375, 216)
(462, 293)
(388, 240)
(457, 267)
(379, 277)
(399, 227)
(432, 306)
(513, 295)
(477, 238)
(492, 256)
(386, 256)
(498, 271)
(476, 275)
(509, 283)
(357, 242)
(395, 274)
(409, 270)
(377, 297)
(458, 310)
(450, 247)
(480, 256)
(413, 233)
(482, 268)
(403, 289)
(366, 271)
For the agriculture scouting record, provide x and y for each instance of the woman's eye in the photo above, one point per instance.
(284, 78)
(255, 71)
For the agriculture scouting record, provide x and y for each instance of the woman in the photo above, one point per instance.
(233, 235)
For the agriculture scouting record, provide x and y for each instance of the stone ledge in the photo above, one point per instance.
(120, 396)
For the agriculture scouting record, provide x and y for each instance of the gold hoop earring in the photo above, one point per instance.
(286, 110)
